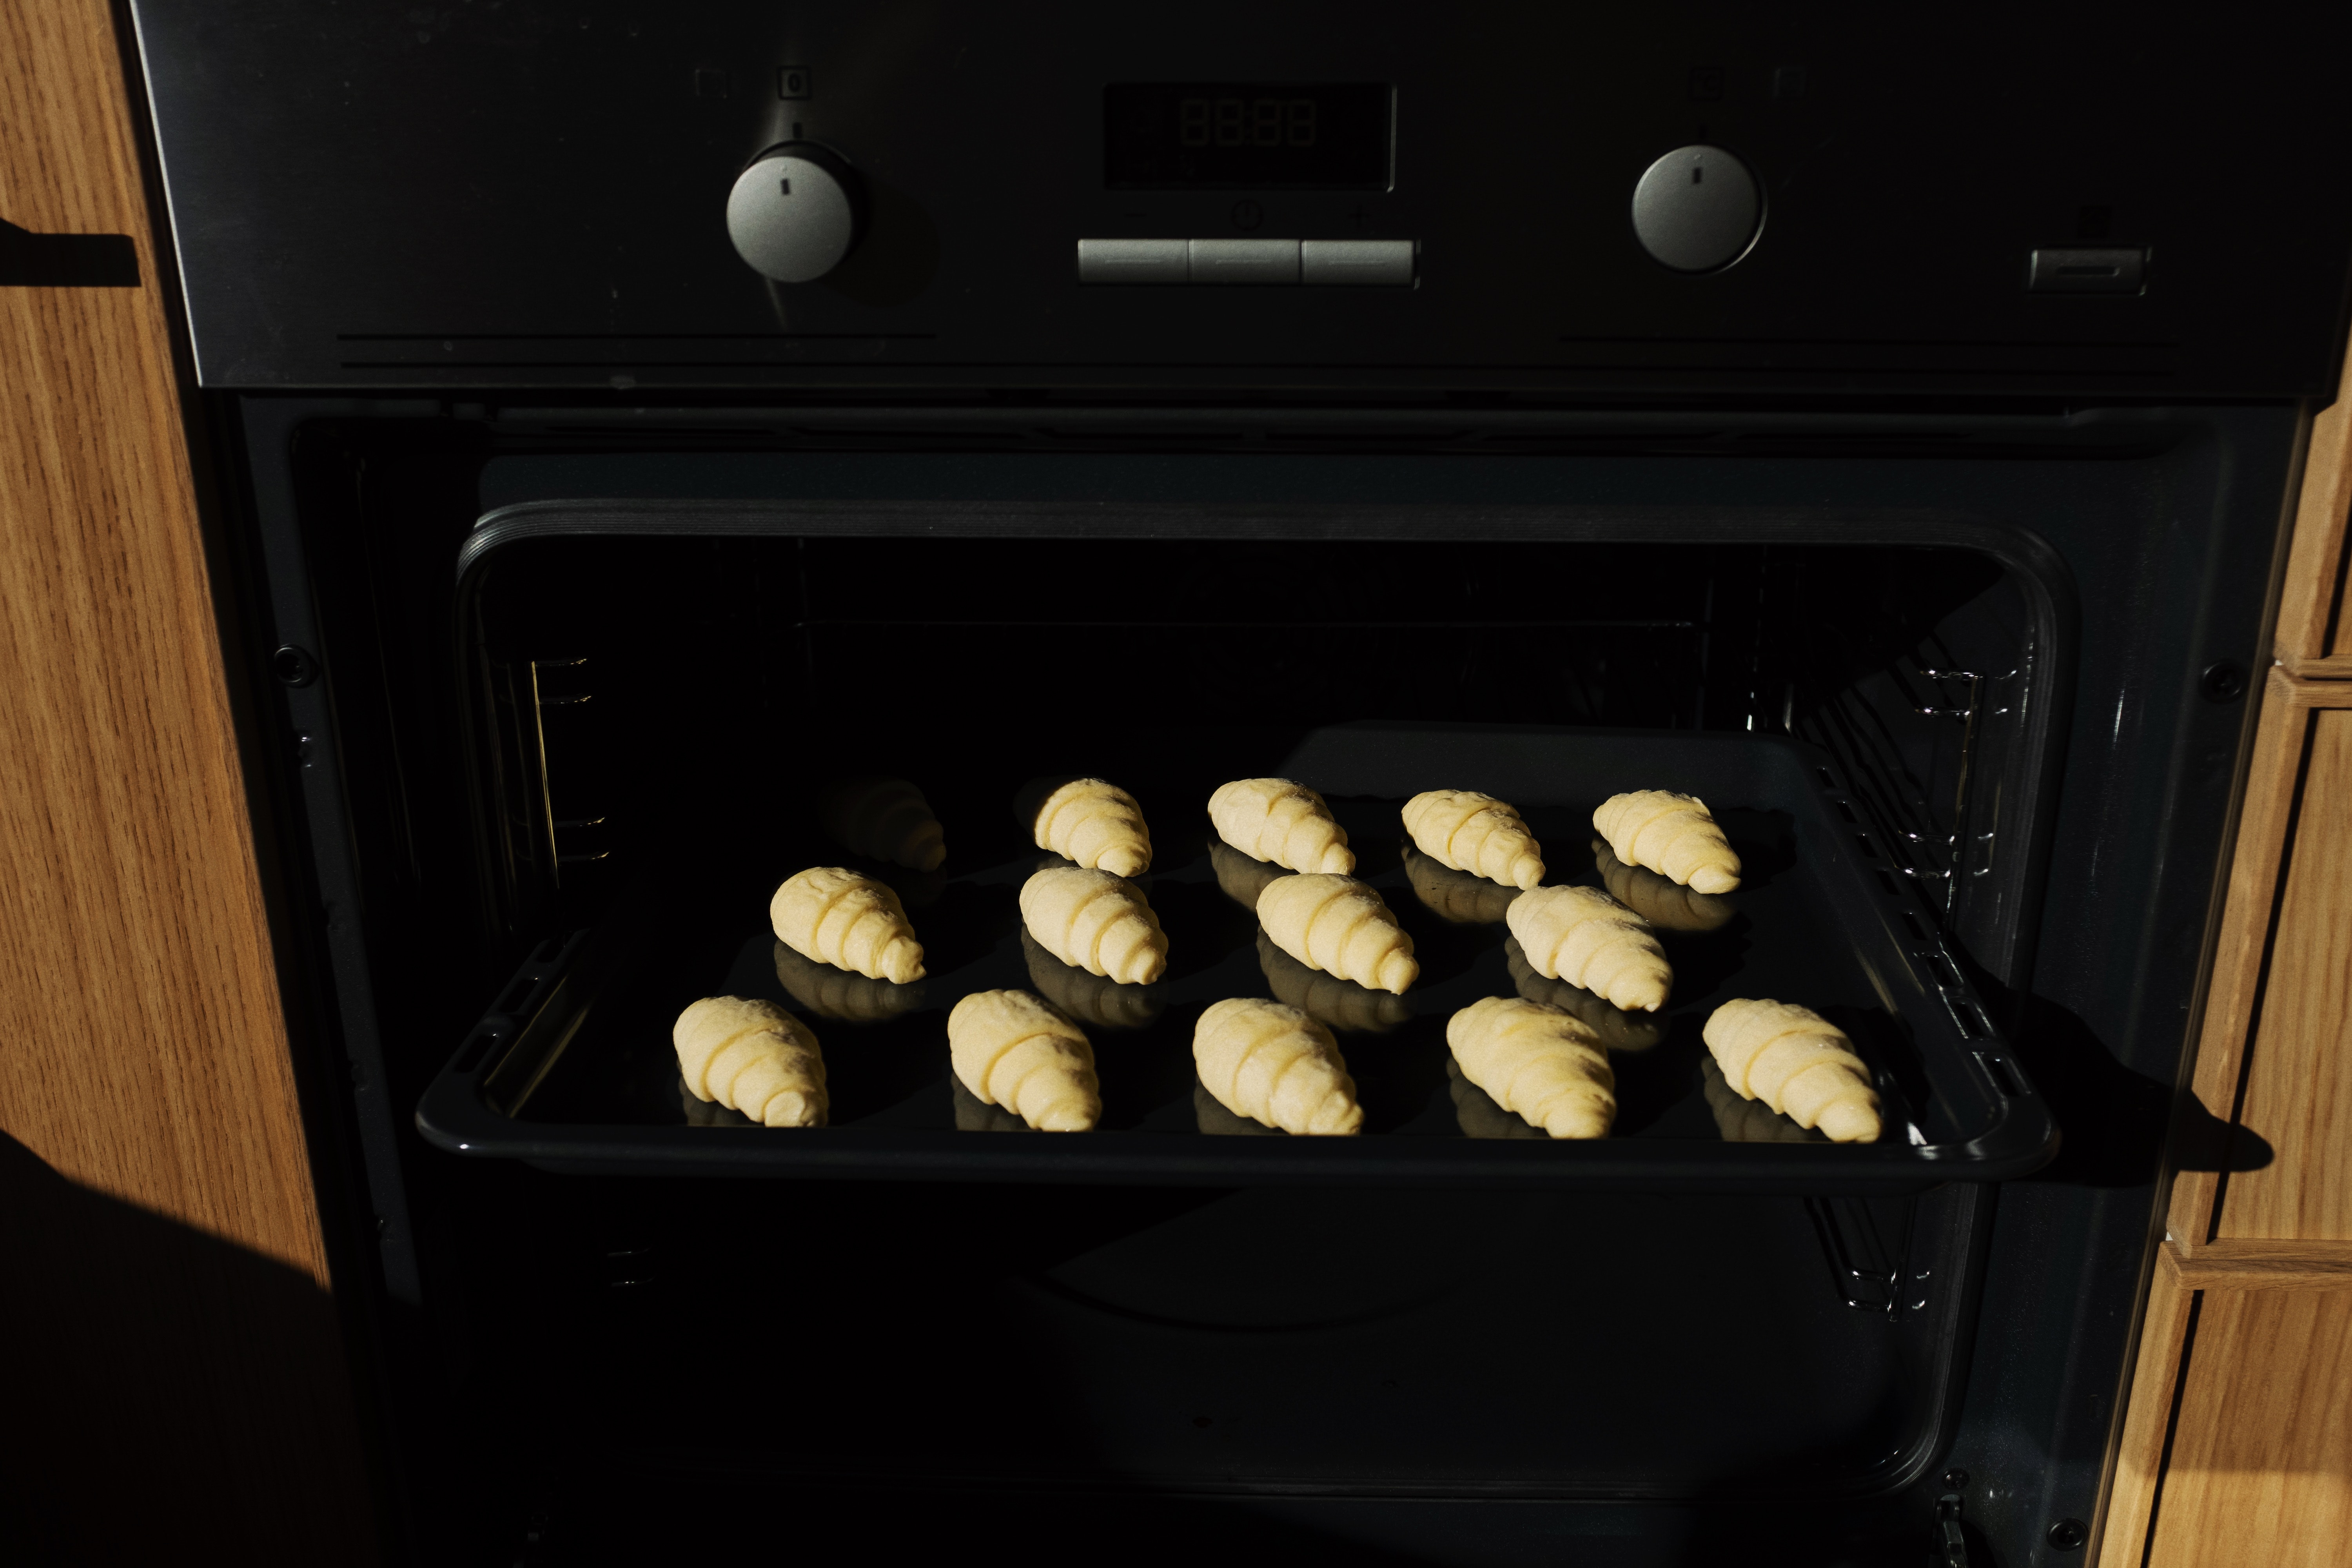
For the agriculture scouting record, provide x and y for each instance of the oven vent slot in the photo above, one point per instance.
(1967, 1016)
(1997, 1069)
(1868, 1254)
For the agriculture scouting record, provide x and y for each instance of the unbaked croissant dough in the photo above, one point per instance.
(1277, 820)
(1664, 903)
(831, 993)
(1467, 831)
(1098, 825)
(751, 1056)
(708, 1112)
(1537, 1062)
(1219, 1122)
(1095, 922)
(1747, 1121)
(1673, 834)
(1475, 1113)
(1275, 1064)
(1460, 897)
(1011, 1050)
(1797, 1062)
(971, 1116)
(1240, 877)
(837, 916)
(1342, 1004)
(1618, 1030)
(1339, 925)
(1585, 937)
(1092, 1001)
(887, 819)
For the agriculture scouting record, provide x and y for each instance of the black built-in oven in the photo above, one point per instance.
(631, 422)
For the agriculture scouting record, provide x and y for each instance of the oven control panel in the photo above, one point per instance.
(1825, 201)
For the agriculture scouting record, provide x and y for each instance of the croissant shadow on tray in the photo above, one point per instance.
(1478, 1115)
(1462, 898)
(1663, 902)
(971, 1116)
(1093, 1001)
(708, 1112)
(1339, 1005)
(843, 996)
(1216, 1120)
(1742, 1120)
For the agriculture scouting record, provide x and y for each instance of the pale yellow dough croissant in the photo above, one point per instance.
(887, 819)
(1339, 925)
(1475, 1113)
(1341, 1003)
(1092, 1001)
(708, 1112)
(853, 922)
(1219, 1122)
(971, 1116)
(1664, 903)
(831, 993)
(1240, 877)
(1585, 937)
(1011, 1050)
(1095, 922)
(1537, 1062)
(1276, 1065)
(1673, 834)
(1618, 1030)
(1797, 1062)
(1467, 831)
(1098, 825)
(1277, 820)
(1747, 1121)
(1461, 897)
(751, 1056)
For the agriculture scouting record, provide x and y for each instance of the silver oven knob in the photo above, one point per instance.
(793, 214)
(1697, 209)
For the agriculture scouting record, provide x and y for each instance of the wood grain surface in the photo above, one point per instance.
(2262, 1265)
(176, 1386)
(2260, 1470)
(2139, 1452)
(2311, 640)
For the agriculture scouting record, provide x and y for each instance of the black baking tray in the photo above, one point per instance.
(573, 1069)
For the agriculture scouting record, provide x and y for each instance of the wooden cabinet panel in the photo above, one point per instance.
(2261, 1468)
(2298, 1087)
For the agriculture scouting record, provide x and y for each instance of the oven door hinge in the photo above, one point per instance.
(1951, 1546)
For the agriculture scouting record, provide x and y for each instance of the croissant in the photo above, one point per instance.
(1666, 904)
(753, 1057)
(1585, 937)
(1536, 1062)
(1797, 1062)
(708, 1113)
(1274, 1065)
(1747, 1121)
(1240, 877)
(1339, 925)
(1092, 1001)
(1094, 921)
(1098, 825)
(971, 1116)
(1476, 1113)
(887, 819)
(1011, 1050)
(1277, 820)
(1216, 1120)
(1466, 831)
(1456, 896)
(1340, 1005)
(837, 916)
(1672, 834)
(831, 993)
(1618, 1030)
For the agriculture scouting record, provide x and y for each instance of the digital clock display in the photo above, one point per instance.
(1246, 135)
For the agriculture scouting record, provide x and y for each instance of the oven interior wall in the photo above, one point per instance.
(1837, 647)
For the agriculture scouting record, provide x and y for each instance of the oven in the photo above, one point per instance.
(636, 426)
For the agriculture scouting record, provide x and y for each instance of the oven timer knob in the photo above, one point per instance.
(793, 212)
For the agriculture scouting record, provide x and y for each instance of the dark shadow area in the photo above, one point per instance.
(167, 1396)
(66, 260)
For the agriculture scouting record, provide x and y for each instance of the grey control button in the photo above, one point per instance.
(1134, 260)
(791, 219)
(1697, 209)
(1245, 261)
(1379, 263)
(2109, 269)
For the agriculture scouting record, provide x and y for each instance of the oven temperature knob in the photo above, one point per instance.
(793, 212)
(1697, 209)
